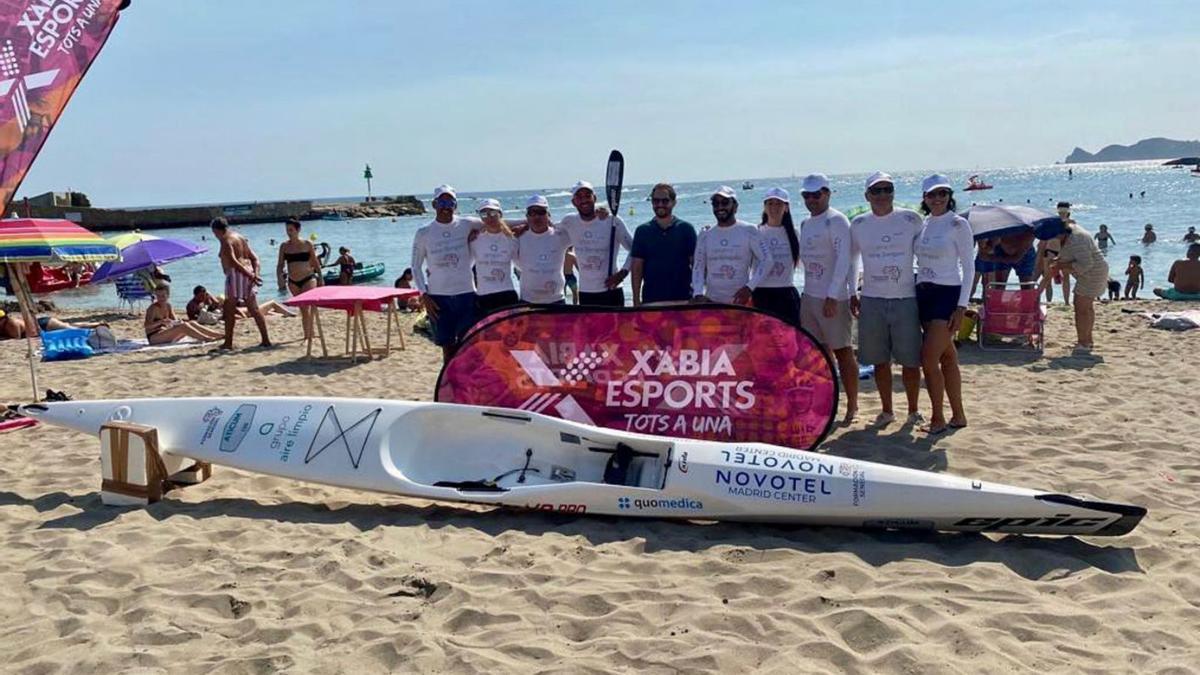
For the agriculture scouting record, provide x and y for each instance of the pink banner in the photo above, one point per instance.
(46, 48)
(714, 372)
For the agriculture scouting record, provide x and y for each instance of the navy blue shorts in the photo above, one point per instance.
(456, 314)
(936, 302)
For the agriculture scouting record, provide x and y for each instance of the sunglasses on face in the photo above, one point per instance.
(538, 211)
(810, 195)
(490, 213)
(660, 200)
(939, 194)
(445, 203)
(721, 201)
(881, 190)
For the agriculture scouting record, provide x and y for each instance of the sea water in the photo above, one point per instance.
(1099, 193)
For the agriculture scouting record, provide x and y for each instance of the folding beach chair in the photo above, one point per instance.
(131, 289)
(1012, 317)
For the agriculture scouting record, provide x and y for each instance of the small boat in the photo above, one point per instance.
(976, 183)
(49, 279)
(362, 272)
(747, 185)
(333, 215)
(523, 460)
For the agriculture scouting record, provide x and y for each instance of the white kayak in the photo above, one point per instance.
(513, 458)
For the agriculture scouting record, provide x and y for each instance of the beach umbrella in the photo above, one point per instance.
(147, 254)
(29, 240)
(126, 239)
(993, 220)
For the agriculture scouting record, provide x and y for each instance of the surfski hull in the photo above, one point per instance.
(513, 458)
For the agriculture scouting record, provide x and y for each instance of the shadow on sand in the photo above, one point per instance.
(1030, 557)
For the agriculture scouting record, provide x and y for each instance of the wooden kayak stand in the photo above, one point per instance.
(135, 472)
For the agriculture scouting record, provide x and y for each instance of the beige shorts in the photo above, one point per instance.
(833, 332)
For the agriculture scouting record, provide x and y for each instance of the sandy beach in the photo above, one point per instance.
(247, 573)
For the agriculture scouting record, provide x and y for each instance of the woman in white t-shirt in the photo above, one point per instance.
(776, 292)
(492, 252)
(945, 252)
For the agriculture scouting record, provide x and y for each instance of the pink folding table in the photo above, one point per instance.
(354, 301)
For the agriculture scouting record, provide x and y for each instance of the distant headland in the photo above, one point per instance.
(1147, 148)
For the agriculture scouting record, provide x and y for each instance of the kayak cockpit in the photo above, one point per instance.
(497, 451)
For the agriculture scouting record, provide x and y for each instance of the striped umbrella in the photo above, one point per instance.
(29, 240)
(25, 240)
(127, 239)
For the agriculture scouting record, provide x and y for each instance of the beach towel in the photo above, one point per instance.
(1185, 320)
(1172, 294)
(16, 423)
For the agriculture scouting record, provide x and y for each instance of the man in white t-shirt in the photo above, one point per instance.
(825, 303)
(541, 252)
(889, 325)
(449, 294)
(730, 259)
(597, 239)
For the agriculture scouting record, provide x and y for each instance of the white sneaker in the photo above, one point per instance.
(884, 418)
(915, 418)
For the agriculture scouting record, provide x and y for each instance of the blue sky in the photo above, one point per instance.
(224, 100)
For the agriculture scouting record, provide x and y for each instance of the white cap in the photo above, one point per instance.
(537, 200)
(726, 192)
(879, 177)
(443, 190)
(486, 204)
(582, 185)
(814, 182)
(778, 193)
(934, 182)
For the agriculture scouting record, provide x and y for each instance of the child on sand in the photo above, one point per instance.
(1114, 290)
(1135, 278)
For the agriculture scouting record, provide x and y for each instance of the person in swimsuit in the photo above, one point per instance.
(345, 263)
(299, 270)
(163, 327)
(12, 326)
(1184, 277)
(242, 280)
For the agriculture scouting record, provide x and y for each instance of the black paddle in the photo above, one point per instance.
(614, 178)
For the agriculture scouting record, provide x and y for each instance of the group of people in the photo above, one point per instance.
(916, 273)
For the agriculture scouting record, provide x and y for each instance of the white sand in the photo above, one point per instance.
(246, 573)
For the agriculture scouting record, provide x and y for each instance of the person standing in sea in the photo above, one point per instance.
(449, 293)
(828, 282)
(945, 252)
(662, 251)
(889, 323)
(730, 258)
(593, 235)
(776, 293)
(242, 279)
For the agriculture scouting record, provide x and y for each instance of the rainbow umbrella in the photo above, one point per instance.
(25, 240)
(29, 240)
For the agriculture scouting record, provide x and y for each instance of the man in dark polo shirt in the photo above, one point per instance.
(662, 253)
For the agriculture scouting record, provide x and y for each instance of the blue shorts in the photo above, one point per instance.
(1024, 267)
(456, 314)
(936, 302)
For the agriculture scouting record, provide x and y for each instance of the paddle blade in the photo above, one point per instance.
(613, 179)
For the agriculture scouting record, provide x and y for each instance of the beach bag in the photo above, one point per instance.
(102, 339)
(208, 318)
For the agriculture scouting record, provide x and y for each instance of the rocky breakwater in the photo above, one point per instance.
(378, 207)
